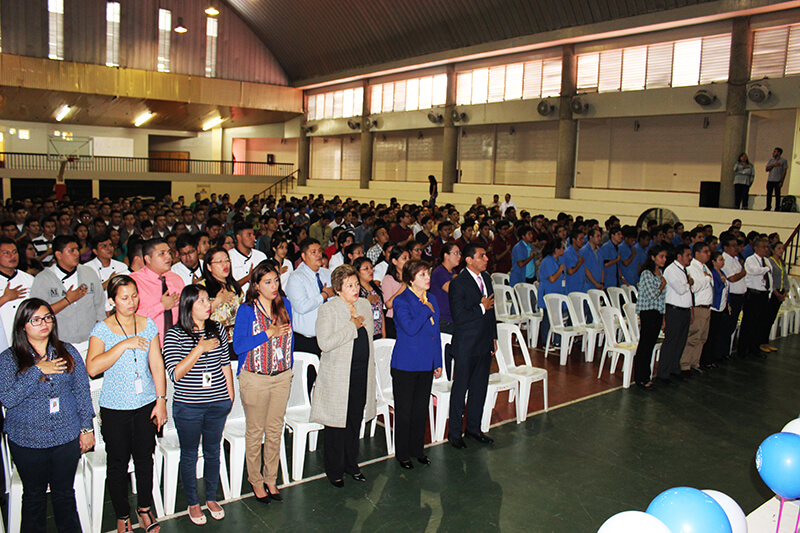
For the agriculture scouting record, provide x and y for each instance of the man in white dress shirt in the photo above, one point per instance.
(244, 256)
(190, 268)
(14, 285)
(734, 272)
(755, 322)
(678, 315)
(308, 288)
(703, 289)
(505, 205)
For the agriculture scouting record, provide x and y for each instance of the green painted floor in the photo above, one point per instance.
(564, 471)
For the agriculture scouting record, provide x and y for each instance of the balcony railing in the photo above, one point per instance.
(22, 161)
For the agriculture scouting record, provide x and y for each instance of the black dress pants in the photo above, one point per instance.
(471, 374)
(651, 322)
(717, 345)
(774, 187)
(129, 433)
(676, 332)
(412, 392)
(741, 193)
(756, 313)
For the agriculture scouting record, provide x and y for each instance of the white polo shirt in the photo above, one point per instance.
(241, 264)
(732, 267)
(9, 310)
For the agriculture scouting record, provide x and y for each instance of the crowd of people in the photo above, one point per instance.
(145, 292)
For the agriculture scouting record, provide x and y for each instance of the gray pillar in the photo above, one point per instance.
(567, 126)
(450, 139)
(303, 158)
(735, 137)
(366, 140)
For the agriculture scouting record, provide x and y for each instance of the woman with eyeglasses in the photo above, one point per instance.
(371, 291)
(264, 342)
(133, 401)
(45, 389)
(197, 360)
(223, 290)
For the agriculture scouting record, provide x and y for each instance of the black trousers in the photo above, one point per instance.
(676, 332)
(756, 314)
(129, 433)
(774, 187)
(735, 304)
(341, 444)
(40, 467)
(648, 336)
(412, 392)
(471, 374)
(741, 196)
(717, 345)
(391, 329)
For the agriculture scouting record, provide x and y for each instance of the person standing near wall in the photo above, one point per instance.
(776, 169)
(743, 176)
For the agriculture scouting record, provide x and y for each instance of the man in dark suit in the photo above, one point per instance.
(474, 342)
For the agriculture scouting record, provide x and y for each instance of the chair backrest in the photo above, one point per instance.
(618, 297)
(298, 393)
(505, 301)
(599, 298)
(633, 293)
(527, 297)
(613, 323)
(554, 304)
(505, 347)
(383, 363)
(237, 410)
(447, 340)
(633, 320)
(95, 387)
(580, 301)
(500, 278)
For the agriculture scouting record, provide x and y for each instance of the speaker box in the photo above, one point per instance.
(709, 194)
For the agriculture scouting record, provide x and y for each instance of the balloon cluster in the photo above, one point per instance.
(778, 464)
(682, 510)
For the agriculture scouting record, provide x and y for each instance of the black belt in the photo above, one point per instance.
(678, 307)
(756, 291)
(703, 306)
(270, 374)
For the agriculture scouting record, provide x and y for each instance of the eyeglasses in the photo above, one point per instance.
(221, 262)
(37, 320)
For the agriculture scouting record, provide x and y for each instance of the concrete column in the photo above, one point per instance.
(735, 137)
(366, 140)
(303, 157)
(567, 126)
(450, 140)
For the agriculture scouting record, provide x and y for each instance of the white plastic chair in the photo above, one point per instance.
(500, 278)
(440, 390)
(614, 323)
(618, 297)
(499, 382)
(383, 359)
(634, 328)
(526, 375)
(168, 456)
(599, 298)
(14, 487)
(592, 323)
(633, 293)
(96, 468)
(234, 433)
(506, 307)
(298, 412)
(527, 294)
(555, 303)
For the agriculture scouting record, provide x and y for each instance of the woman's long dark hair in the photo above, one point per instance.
(395, 254)
(212, 285)
(189, 296)
(115, 283)
(20, 345)
(357, 264)
(278, 311)
(650, 262)
(746, 159)
(551, 247)
(275, 242)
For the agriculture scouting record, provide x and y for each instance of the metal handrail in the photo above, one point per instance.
(280, 187)
(29, 161)
(791, 250)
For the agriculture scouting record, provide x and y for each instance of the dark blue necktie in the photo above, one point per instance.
(319, 282)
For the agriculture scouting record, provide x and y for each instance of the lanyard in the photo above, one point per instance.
(135, 331)
(261, 308)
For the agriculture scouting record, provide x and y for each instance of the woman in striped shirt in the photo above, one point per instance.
(197, 360)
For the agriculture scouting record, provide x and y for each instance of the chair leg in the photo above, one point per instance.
(602, 362)
(547, 343)
(237, 466)
(544, 387)
(284, 460)
(486, 418)
(627, 370)
(171, 462)
(97, 482)
(298, 453)
(442, 415)
(362, 430)
(566, 342)
(522, 401)
(431, 417)
(372, 427)
(158, 500)
(15, 504)
(312, 441)
(80, 500)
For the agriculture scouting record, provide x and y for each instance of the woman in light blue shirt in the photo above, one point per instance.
(133, 402)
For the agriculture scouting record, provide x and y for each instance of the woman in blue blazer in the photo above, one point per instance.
(416, 358)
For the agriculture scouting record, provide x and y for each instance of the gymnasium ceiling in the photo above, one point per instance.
(320, 40)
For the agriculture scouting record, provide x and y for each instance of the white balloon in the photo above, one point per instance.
(735, 514)
(633, 522)
(792, 427)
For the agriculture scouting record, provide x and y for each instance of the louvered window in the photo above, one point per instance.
(112, 34)
(531, 79)
(610, 71)
(715, 59)
(409, 95)
(659, 66)
(164, 39)
(55, 40)
(337, 104)
(212, 28)
(634, 68)
(776, 52)
(551, 77)
(514, 80)
(686, 63)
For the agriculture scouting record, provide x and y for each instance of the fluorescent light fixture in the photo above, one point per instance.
(212, 11)
(63, 112)
(180, 28)
(214, 122)
(141, 119)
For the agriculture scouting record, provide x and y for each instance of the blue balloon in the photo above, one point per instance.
(688, 510)
(778, 463)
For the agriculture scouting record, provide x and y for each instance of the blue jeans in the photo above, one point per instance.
(193, 421)
(40, 467)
